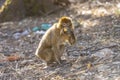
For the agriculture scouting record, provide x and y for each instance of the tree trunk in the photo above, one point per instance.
(13, 10)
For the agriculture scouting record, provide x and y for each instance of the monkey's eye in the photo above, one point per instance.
(67, 24)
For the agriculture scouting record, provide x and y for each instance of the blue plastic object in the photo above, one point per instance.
(45, 26)
(35, 29)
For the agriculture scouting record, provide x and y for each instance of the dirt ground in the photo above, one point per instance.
(95, 56)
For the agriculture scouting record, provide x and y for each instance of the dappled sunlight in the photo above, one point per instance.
(97, 10)
(94, 13)
(94, 56)
(88, 23)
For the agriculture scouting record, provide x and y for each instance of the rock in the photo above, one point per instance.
(17, 35)
(118, 5)
(102, 68)
(40, 32)
(24, 33)
(100, 77)
(2, 57)
(104, 53)
(117, 78)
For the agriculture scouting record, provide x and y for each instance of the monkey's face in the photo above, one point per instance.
(66, 22)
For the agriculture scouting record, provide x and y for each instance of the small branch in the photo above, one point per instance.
(89, 49)
(104, 48)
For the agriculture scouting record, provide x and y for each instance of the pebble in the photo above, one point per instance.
(18, 35)
(40, 32)
(104, 53)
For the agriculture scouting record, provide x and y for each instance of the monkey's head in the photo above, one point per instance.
(67, 30)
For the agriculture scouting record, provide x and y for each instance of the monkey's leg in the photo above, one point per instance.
(57, 53)
(51, 57)
(45, 54)
(57, 58)
(62, 48)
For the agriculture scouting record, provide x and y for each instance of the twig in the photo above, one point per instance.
(91, 48)
(104, 48)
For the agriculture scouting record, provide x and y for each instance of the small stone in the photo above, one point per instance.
(40, 32)
(104, 53)
(102, 68)
(117, 78)
(17, 35)
(24, 33)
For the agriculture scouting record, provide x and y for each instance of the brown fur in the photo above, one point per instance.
(52, 44)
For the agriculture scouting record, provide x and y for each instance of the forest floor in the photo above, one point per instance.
(95, 56)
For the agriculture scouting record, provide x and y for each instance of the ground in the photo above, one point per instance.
(95, 56)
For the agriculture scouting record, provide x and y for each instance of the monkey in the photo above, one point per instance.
(52, 44)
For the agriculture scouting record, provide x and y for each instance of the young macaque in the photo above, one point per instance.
(52, 44)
